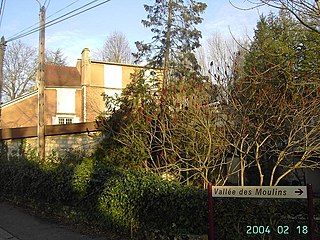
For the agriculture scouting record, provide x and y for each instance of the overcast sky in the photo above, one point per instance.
(90, 29)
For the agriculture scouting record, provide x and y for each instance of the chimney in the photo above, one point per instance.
(85, 78)
(85, 67)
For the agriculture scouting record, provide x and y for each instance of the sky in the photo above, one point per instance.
(91, 28)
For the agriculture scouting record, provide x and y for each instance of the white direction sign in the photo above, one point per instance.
(260, 192)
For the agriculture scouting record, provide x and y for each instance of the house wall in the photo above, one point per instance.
(105, 78)
(97, 75)
(79, 111)
(64, 102)
(23, 112)
(20, 113)
(50, 105)
(96, 78)
(94, 103)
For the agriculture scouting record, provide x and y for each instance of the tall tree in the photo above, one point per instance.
(19, 70)
(173, 23)
(116, 48)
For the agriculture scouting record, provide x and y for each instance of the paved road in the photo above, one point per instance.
(17, 224)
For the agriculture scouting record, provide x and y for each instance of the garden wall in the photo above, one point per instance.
(59, 139)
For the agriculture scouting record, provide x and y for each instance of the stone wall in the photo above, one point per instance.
(59, 145)
(78, 138)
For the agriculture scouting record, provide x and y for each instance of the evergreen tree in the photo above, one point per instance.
(173, 23)
(56, 57)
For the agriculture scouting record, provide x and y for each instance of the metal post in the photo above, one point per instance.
(211, 233)
(311, 212)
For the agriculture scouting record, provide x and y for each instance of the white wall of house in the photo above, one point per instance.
(66, 100)
(112, 76)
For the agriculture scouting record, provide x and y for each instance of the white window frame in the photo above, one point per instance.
(55, 119)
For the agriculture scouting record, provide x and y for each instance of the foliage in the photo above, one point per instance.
(173, 23)
(146, 202)
(179, 139)
(55, 57)
(272, 103)
(104, 196)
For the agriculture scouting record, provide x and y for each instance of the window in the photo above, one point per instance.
(65, 120)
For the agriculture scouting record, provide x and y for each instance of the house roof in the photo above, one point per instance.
(58, 76)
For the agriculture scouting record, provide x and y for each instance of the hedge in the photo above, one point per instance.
(129, 201)
(141, 204)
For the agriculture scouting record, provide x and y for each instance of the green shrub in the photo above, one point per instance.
(144, 202)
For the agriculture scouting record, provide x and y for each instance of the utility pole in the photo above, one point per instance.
(40, 81)
(2, 48)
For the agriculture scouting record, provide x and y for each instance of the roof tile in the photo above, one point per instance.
(60, 76)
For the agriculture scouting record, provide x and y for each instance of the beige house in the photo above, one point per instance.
(72, 94)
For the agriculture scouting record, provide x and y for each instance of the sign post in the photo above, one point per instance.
(211, 235)
(311, 212)
(283, 192)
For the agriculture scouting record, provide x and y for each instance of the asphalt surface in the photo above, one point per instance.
(18, 224)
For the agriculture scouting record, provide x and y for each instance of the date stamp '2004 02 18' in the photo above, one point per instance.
(281, 230)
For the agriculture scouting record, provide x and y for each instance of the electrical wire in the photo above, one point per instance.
(60, 19)
(33, 30)
(48, 4)
(3, 4)
(62, 8)
(37, 24)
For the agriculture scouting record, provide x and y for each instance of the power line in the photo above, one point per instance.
(37, 24)
(60, 19)
(3, 4)
(48, 4)
(62, 8)
(36, 29)
(97, 5)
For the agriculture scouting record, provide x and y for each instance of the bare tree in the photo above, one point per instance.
(115, 49)
(218, 53)
(307, 12)
(272, 134)
(19, 70)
